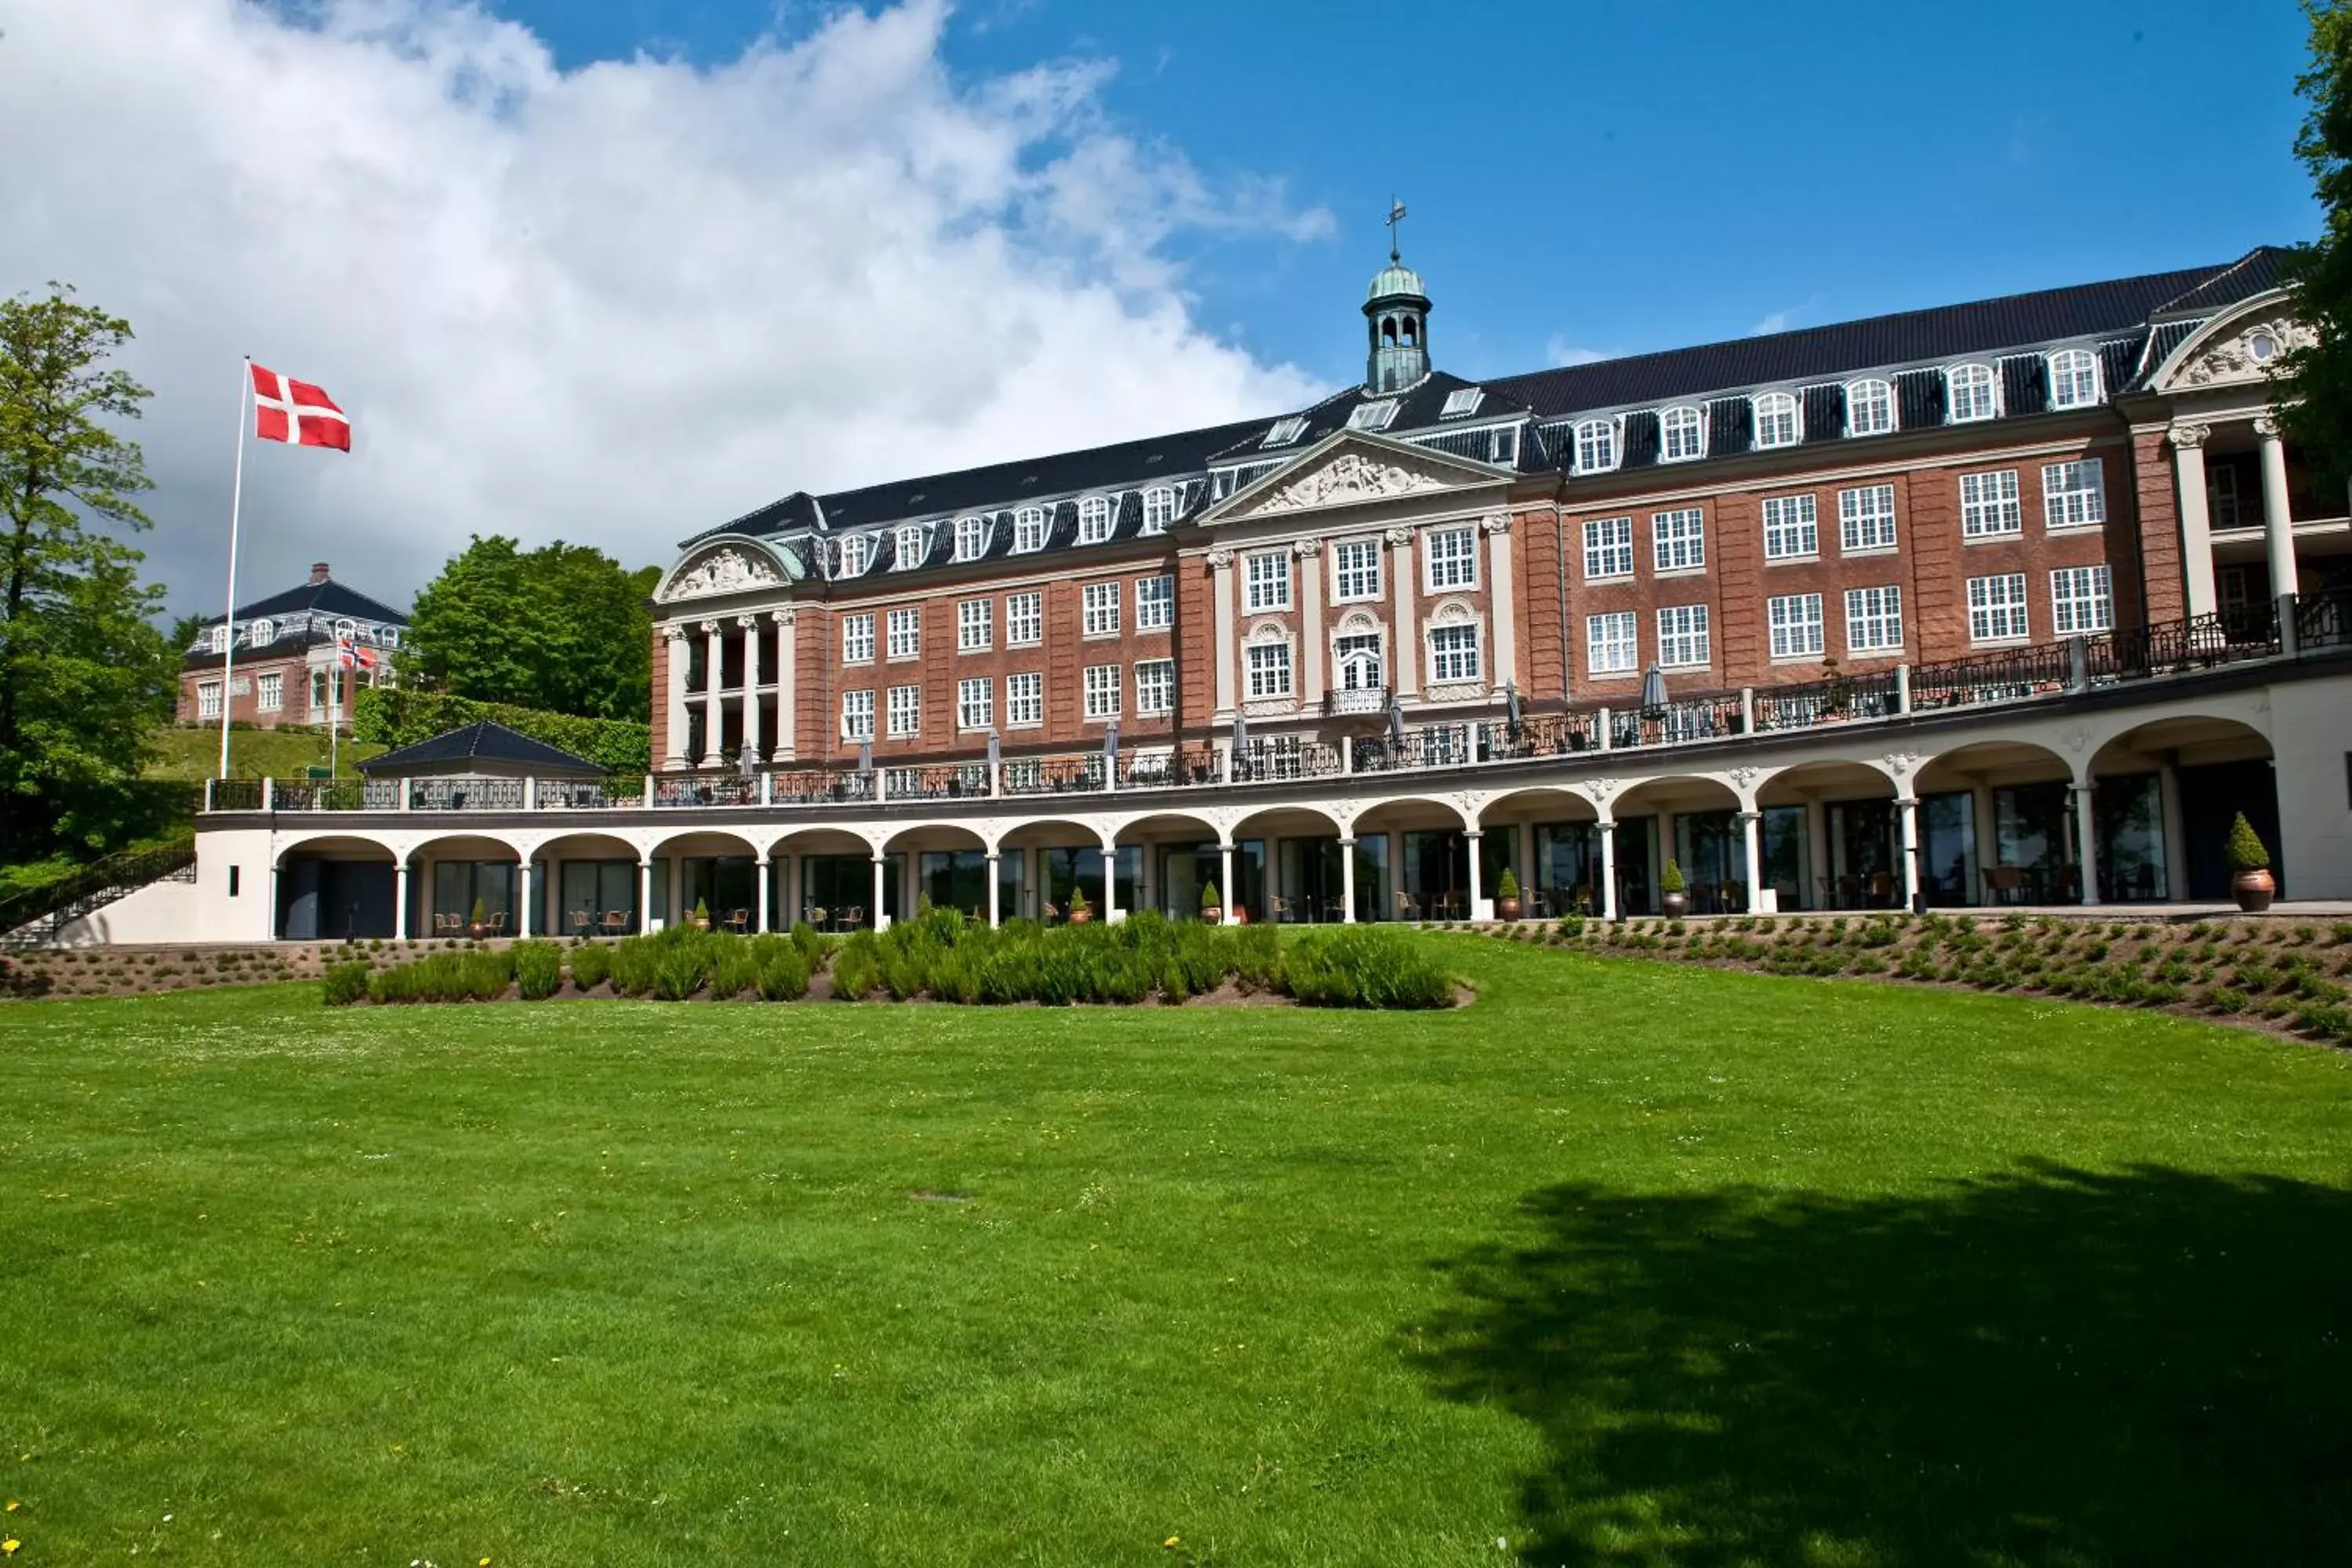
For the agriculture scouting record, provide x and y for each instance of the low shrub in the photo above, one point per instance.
(733, 968)
(538, 969)
(1366, 966)
(1572, 925)
(444, 977)
(591, 963)
(631, 966)
(781, 972)
(346, 983)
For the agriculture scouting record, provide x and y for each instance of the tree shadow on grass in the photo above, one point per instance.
(2050, 1368)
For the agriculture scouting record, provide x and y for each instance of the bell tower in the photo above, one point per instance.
(1396, 321)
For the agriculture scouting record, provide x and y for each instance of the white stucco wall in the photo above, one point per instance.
(2311, 726)
(159, 913)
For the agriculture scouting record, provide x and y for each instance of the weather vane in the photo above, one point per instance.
(1396, 217)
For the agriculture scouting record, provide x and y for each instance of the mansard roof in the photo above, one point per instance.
(326, 598)
(486, 741)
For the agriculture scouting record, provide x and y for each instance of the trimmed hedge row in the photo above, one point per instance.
(399, 716)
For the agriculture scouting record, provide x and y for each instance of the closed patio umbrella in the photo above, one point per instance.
(996, 753)
(748, 763)
(1653, 690)
(1396, 719)
(1241, 745)
(1511, 705)
(865, 756)
(1110, 751)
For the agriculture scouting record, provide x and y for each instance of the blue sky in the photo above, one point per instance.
(1596, 179)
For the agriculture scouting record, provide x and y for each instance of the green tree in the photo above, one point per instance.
(84, 674)
(2314, 386)
(562, 628)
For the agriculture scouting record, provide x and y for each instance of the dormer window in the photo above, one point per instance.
(1286, 431)
(1373, 415)
(971, 538)
(857, 554)
(1682, 436)
(1869, 408)
(1029, 530)
(1462, 403)
(908, 548)
(2074, 379)
(1776, 420)
(220, 637)
(262, 635)
(1159, 508)
(1596, 445)
(1969, 393)
(345, 631)
(391, 637)
(1094, 520)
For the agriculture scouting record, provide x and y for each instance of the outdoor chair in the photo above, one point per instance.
(818, 915)
(580, 922)
(737, 920)
(1285, 911)
(498, 926)
(1581, 897)
(1881, 889)
(2004, 884)
(615, 922)
(1049, 914)
(1407, 907)
(853, 917)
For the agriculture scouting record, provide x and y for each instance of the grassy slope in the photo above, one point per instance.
(194, 753)
(1626, 1263)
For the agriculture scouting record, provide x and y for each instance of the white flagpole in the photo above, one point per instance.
(235, 501)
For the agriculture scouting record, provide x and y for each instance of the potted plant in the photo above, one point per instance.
(1212, 909)
(701, 914)
(1080, 913)
(479, 920)
(1673, 900)
(2251, 883)
(1507, 897)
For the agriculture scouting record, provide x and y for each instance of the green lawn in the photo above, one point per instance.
(1626, 1264)
(192, 754)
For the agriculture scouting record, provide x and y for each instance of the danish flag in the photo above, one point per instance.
(285, 409)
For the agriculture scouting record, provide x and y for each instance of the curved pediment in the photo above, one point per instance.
(2239, 348)
(1352, 469)
(729, 566)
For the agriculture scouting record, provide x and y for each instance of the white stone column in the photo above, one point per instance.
(1750, 829)
(674, 639)
(787, 659)
(2176, 836)
(400, 899)
(522, 899)
(1347, 881)
(1110, 882)
(1481, 907)
(2278, 523)
(995, 916)
(1225, 885)
(2196, 517)
(1220, 568)
(881, 867)
(759, 915)
(2086, 842)
(1908, 808)
(1502, 601)
(1314, 655)
(1404, 642)
(712, 710)
(1608, 868)
(645, 895)
(1988, 822)
(1820, 895)
(751, 625)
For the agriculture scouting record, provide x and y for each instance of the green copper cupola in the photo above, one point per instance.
(1396, 321)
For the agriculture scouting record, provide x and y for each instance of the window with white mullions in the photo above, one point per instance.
(857, 641)
(2074, 495)
(1155, 604)
(1677, 541)
(1159, 508)
(905, 628)
(904, 710)
(1024, 700)
(1611, 643)
(1969, 392)
(857, 715)
(909, 548)
(2082, 600)
(857, 554)
(1024, 619)
(1596, 445)
(1356, 568)
(1792, 528)
(1452, 554)
(2074, 379)
(1869, 408)
(1266, 583)
(1028, 530)
(1682, 435)
(1794, 623)
(1682, 640)
(1100, 601)
(1453, 654)
(971, 538)
(1777, 419)
(1102, 691)
(1997, 610)
(1874, 619)
(1358, 662)
(975, 626)
(1989, 505)
(1609, 548)
(1094, 520)
(1155, 687)
(1866, 519)
(975, 704)
(1269, 669)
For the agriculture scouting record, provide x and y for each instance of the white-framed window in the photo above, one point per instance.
(1102, 691)
(1460, 401)
(2074, 379)
(1159, 508)
(220, 637)
(1356, 568)
(2081, 599)
(1267, 580)
(903, 632)
(1792, 528)
(1269, 669)
(1683, 637)
(1682, 436)
(2222, 496)
(857, 553)
(1094, 520)
(1028, 530)
(971, 538)
(270, 691)
(857, 715)
(975, 624)
(1997, 608)
(1155, 687)
(1452, 554)
(907, 551)
(1866, 519)
(1596, 445)
(1777, 419)
(1358, 659)
(1374, 416)
(391, 637)
(1453, 654)
(1869, 408)
(347, 630)
(1989, 505)
(1155, 604)
(1678, 540)
(858, 642)
(2074, 495)
(1611, 644)
(1285, 430)
(902, 709)
(1101, 605)
(1874, 619)
(1969, 392)
(975, 703)
(1024, 700)
(1794, 623)
(1024, 619)
(261, 634)
(318, 690)
(208, 699)
(1608, 548)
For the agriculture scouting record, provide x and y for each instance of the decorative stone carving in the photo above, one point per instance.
(2266, 426)
(2237, 358)
(1271, 708)
(748, 623)
(709, 629)
(1399, 537)
(1221, 560)
(786, 617)
(1496, 522)
(1350, 477)
(2185, 437)
(675, 631)
(1900, 763)
(1744, 779)
(1307, 547)
(1458, 692)
(723, 571)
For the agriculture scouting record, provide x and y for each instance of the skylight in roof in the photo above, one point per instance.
(1285, 431)
(1372, 415)
(1462, 402)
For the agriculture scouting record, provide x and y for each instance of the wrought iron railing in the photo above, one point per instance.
(1839, 699)
(1052, 775)
(2324, 619)
(710, 789)
(937, 780)
(1168, 767)
(321, 795)
(452, 795)
(620, 793)
(233, 794)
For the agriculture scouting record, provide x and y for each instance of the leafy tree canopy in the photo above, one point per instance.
(562, 628)
(2314, 386)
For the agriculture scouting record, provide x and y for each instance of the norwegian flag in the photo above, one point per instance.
(349, 655)
(294, 411)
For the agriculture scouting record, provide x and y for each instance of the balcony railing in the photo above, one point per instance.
(2020, 675)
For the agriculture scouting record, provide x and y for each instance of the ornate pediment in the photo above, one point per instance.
(2240, 355)
(1351, 477)
(727, 570)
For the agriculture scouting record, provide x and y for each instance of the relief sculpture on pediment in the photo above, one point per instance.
(1350, 477)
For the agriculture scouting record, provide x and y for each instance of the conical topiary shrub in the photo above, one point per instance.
(2247, 852)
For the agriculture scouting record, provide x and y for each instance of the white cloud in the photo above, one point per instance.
(1560, 352)
(616, 304)
(1773, 322)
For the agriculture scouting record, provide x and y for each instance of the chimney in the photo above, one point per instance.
(318, 572)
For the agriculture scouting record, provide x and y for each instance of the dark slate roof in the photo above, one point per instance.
(2256, 272)
(327, 598)
(1419, 408)
(1944, 332)
(485, 742)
